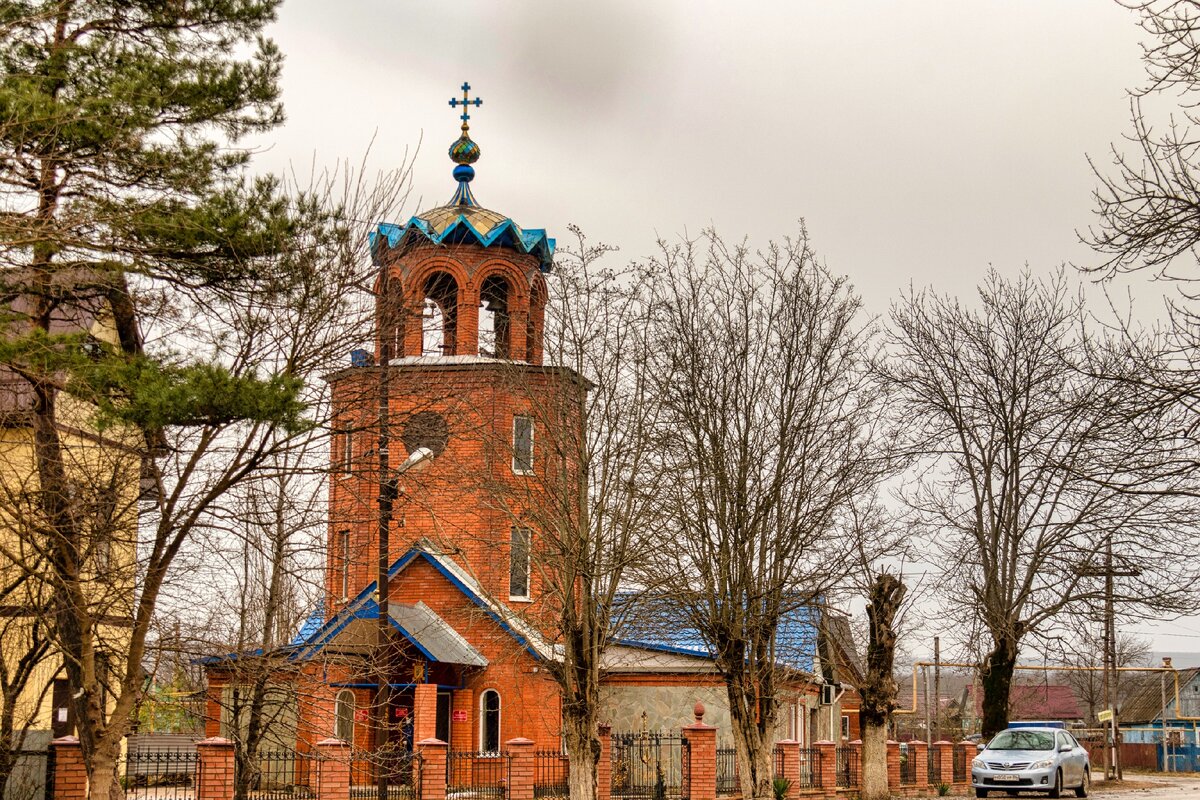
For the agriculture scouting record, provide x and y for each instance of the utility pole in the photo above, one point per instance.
(937, 688)
(1112, 731)
(387, 493)
(928, 718)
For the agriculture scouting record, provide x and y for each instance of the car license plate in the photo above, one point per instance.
(1006, 778)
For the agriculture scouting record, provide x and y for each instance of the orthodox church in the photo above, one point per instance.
(457, 377)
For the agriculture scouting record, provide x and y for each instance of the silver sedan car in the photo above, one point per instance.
(1031, 760)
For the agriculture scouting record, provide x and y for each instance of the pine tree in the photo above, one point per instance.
(128, 209)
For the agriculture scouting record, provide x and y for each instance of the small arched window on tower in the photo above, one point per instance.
(344, 716)
(494, 326)
(439, 315)
(489, 722)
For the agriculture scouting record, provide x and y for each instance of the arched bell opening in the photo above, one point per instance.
(439, 315)
(495, 325)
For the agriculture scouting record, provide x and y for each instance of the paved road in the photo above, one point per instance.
(1152, 787)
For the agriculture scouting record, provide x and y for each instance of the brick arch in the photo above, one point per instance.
(418, 274)
(391, 317)
(539, 295)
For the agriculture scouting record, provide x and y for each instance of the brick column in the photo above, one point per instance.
(333, 778)
(604, 768)
(969, 751)
(424, 712)
(789, 749)
(520, 768)
(702, 747)
(214, 769)
(433, 769)
(893, 762)
(943, 755)
(462, 729)
(825, 770)
(70, 774)
(918, 757)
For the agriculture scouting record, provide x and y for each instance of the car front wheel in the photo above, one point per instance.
(1083, 785)
(1056, 791)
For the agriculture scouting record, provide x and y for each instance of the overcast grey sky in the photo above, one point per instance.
(921, 141)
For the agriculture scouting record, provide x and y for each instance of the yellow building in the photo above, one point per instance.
(103, 471)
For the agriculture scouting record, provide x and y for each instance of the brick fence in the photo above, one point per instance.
(832, 774)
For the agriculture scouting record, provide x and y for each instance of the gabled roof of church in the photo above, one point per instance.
(431, 635)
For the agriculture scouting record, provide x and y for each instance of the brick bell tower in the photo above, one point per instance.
(460, 304)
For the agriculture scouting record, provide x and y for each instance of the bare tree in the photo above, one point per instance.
(1027, 454)
(587, 514)
(765, 436)
(1088, 680)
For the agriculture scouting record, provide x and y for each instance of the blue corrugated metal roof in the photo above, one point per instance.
(312, 623)
(659, 624)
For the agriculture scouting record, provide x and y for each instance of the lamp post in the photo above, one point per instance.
(388, 482)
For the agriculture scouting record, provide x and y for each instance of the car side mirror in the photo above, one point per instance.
(979, 746)
(1064, 748)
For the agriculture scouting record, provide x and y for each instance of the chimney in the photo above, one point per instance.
(1166, 662)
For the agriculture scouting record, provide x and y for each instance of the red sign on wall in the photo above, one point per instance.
(360, 715)
(401, 713)
(459, 716)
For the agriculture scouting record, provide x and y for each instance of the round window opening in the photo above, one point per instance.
(425, 429)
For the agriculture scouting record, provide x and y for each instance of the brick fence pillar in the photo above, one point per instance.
(702, 748)
(214, 769)
(333, 778)
(424, 712)
(825, 770)
(520, 768)
(789, 751)
(433, 769)
(943, 756)
(918, 759)
(893, 762)
(604, 768)
(70, 774)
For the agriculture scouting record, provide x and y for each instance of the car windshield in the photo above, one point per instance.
(1022, 740)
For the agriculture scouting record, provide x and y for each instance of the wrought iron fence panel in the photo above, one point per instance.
(777, 763)
(935, 767)
(400, 768)
(685, 769)
(647, 765)
(477, 774)
(277, 775)
(810, 769)
(847, 766)
(31, 776)
(908, 768)
(727, 772)
(160, 774)
(960, 765)
(551, 769)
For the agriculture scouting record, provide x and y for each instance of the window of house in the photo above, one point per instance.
(489, 722)
(344, 552)
(518, 564)
(845, 726)
(343, 726)
(347, 448)
(523, 445)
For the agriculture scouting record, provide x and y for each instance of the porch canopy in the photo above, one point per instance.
(355, 630)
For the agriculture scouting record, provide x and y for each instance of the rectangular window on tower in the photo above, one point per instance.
(523, 445)
(518, 564)
(344, 552)
(347, 448)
